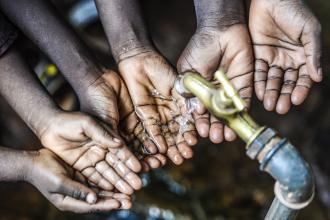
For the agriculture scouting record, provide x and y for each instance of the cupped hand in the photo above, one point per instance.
(107, 98)
(94, 150)
(209, 49)
(163, 113)
(67, 189)
(287, 47)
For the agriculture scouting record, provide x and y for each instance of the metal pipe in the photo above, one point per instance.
(294, 187)
(278, 211)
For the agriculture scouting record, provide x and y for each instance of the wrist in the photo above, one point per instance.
(219, 14)
(44, 121)
(25, 165)
(38, 117)
(130, 48)
(86, 75)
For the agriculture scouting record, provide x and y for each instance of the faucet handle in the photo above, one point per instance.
(229, 90)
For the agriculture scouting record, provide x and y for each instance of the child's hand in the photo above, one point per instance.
(107, 98)
(92, 149)
(287, 48)
(67, 188)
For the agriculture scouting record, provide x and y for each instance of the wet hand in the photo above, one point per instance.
(287, 47)
(107, 98)
(94, 150)
(161, 110)
(67, 189)
(209, 49)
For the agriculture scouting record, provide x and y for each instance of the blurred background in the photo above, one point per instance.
(220, 182)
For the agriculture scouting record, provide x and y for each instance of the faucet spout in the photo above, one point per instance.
(222, 101)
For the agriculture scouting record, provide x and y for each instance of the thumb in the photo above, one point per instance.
(77, 190)
(99, 134)
(311, 39)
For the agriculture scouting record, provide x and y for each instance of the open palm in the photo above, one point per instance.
(107, 98)
(163, 113)
(93, 150)
(286, 41)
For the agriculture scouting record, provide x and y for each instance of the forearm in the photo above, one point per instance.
(14, 164)
(23, 91)
(124, 27)
(40, 22)
(219, 14)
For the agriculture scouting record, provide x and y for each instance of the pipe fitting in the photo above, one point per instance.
(294, 186)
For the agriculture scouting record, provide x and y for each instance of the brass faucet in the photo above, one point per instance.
(223, 102)
(294, 188)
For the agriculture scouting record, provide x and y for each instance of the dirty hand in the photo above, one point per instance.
(219, 42)
(92, 149)
(107, 98)
(162, 112)
(67, 188)
(287, 47)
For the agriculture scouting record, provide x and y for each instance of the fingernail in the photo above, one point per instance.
(319, 71)
(91, 199)
(117, 140)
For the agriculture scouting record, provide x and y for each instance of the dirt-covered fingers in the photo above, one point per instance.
(150, 119)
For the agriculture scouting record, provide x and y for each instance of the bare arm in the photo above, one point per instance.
(124, 27)
(219, 13)
(25, 94)
(41, 23)
(13, 164)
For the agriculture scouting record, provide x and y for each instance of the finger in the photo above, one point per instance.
(161, 158)
(140, 133)
(301, 90)
(99, 134)
(125, 200)
(182, 123)
(202, 123)
(130, 177)
(130, 160)
(152, 126)
(77, 190)
(185, 150)
(190, 137)
(274, 82)
(260, 78)
(216, 131)
(104, 205)
(182, 146)
(311, 39)
(95, 177)
(284, 101)
(152, 162)
(166, 129)
(230, 135)
(145, 166)
(110, 174)
(174, 155)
